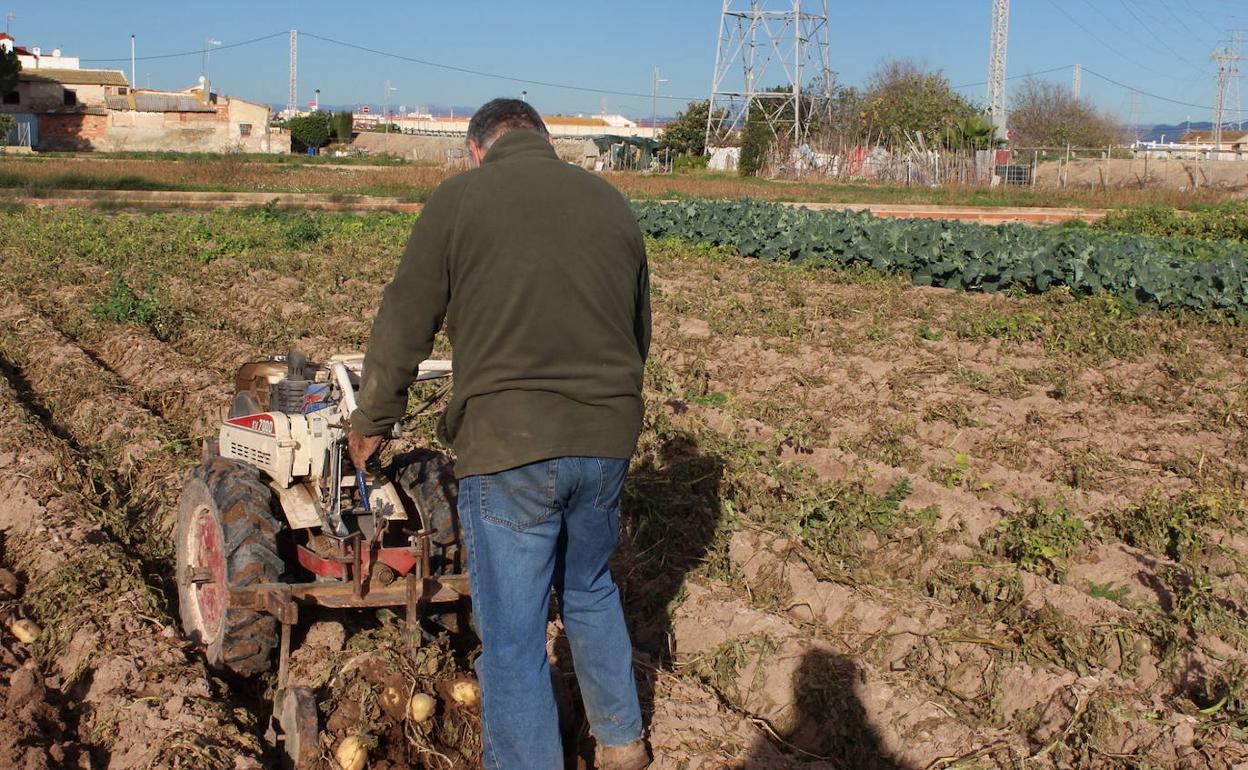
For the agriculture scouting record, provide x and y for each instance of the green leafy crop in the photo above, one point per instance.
(1166, 272)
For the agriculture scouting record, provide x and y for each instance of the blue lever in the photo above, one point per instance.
(362, 483)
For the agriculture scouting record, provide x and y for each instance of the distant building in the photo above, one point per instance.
(69, 108)
(187, 121)
(1233, 141)
(46, 89)
(562, 126)
(35, 58)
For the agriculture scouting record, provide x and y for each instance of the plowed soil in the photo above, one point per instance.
(868, 525)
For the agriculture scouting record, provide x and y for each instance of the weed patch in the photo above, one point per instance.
(888, 441)
(1040, 538)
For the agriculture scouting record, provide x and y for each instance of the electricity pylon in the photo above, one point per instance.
(996, 65)
(292, 96)
(775, 46)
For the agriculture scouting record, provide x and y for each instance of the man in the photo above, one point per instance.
(539, 271)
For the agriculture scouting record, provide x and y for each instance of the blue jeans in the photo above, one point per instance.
(550, 524)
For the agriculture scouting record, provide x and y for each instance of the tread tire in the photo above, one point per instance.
(430, 477)
(241, 505)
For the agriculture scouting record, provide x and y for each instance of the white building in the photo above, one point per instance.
(35, 58)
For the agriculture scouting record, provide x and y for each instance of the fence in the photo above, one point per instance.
(914, 164)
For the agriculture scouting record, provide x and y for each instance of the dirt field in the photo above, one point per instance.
(1152, 175)
(413, 183)
(869, 525)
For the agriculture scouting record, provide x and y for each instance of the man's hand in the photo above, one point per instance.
(361, 447)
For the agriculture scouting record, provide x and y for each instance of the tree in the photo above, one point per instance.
(309, 131)
(686, 135)
(755, 141)
(10, 67)
(1045, 114)
(836, 112)
(974, 133)
(343, 124)
(902, 99)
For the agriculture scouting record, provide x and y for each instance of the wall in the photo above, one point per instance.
(460, 127)
(41, 95)
(157, 131)
(37, 96)
(1151, 173)
(48, 61)
(242, 113)
(217, 131)
(71, 131)
(444, 150)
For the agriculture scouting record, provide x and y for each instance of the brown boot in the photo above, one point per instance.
(630, 756)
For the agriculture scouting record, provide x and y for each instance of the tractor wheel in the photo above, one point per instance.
(226, 538)
(428, 477)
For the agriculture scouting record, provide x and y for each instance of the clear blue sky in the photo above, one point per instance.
(1159, 46)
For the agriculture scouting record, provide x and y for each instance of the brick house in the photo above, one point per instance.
(51, 90)
(69, 105)
(90, 109)
(187, 121)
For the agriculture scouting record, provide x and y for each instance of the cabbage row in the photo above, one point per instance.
(1167, 272)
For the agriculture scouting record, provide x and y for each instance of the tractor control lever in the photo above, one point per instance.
(362, 484)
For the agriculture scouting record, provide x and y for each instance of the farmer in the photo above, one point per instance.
(539, 271)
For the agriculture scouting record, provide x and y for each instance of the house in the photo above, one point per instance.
(66, 107)
(44, 90)
(35, 58)
(1234, 144)
(189, 121)
(60, 106)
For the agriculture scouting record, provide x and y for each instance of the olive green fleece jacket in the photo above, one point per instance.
(539, 271)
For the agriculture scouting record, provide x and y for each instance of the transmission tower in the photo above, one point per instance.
(774, 45)
(996, 64)
(292, 96)
(1076, 82)
(1227, 60)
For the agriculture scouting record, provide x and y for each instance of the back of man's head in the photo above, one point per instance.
(500, 116)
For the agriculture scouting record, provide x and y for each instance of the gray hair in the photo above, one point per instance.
(499, 116)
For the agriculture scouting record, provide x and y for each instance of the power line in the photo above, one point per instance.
(1117, 24)
(495, 75)
(1158, 97)
(1108, 46)
(1198, 14)
(1107, 79)
(1015, 77)
(1155, 36)
(1182, 22)
(196, 52)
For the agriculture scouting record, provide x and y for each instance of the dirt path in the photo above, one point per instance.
(363, 203)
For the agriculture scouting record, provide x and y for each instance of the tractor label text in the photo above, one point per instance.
(259, 423)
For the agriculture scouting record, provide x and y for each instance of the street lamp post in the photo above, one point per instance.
(654, 98)
(385, 112)
(207, 59)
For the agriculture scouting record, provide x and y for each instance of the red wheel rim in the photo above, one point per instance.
(207, 562)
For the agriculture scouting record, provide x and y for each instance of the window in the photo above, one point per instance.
(244, 129)
(122, 91)
(13, 97)
(70, 97)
